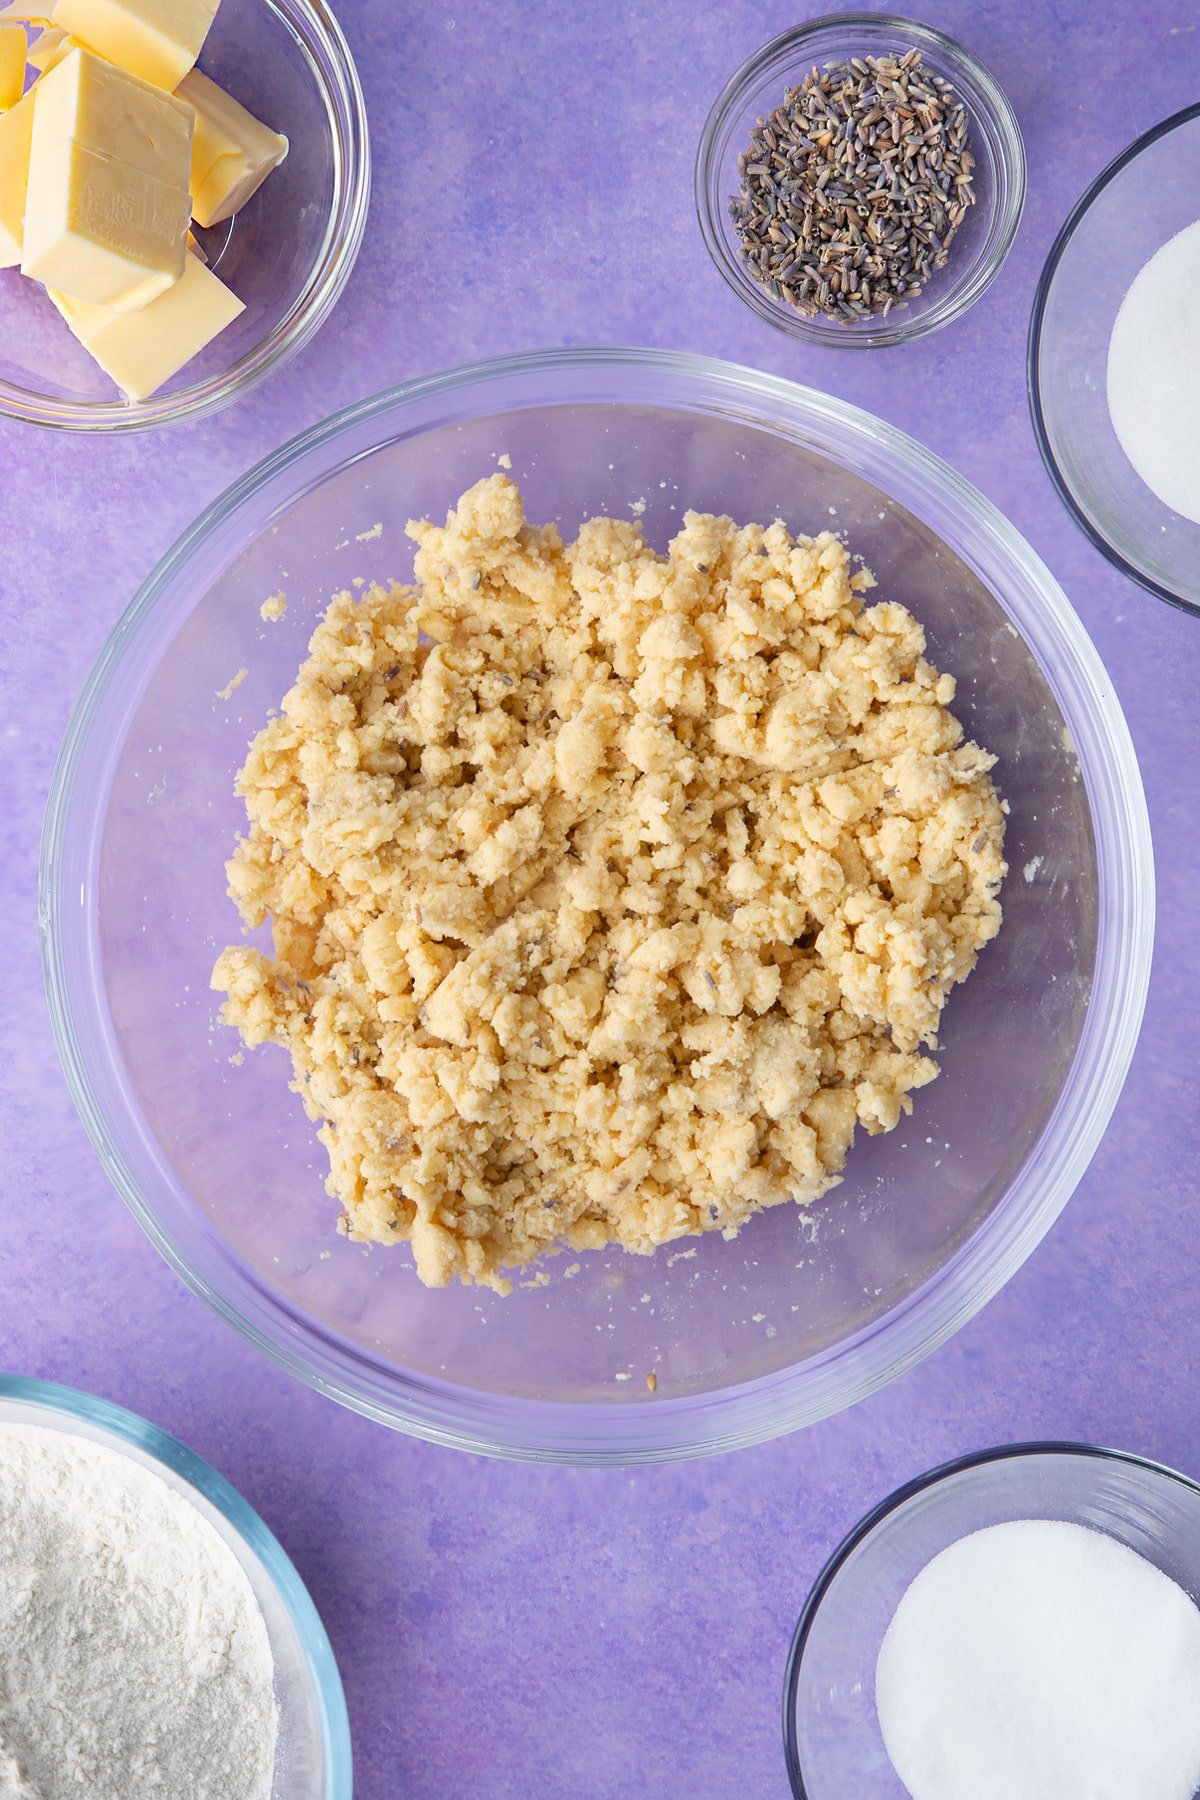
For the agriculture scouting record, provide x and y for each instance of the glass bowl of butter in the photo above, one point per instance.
(183, 193)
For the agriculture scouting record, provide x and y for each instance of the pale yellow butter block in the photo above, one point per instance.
(232, 151)
(107, 210)
(18, 14)
(49, 48)
(143, 352)
(16, 130)
(13, 45)
(116, 114)
(75, 312)
(101, 230)
(156, 39)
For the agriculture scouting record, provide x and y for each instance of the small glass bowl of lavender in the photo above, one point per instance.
(860, 181)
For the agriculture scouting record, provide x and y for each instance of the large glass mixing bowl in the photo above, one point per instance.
(806, 1311)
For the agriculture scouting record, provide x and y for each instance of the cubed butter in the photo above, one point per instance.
(18, 14)
(75, 312)
(49, 48)
(232, 151)
(101, 230)
(142, 352)
(12, 65)
(106, 211)
(107, 110)
(156, 39)
(16, 129)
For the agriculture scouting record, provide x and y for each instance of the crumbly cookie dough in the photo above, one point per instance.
(610, 892)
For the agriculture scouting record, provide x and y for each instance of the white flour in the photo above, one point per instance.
(134, 1659)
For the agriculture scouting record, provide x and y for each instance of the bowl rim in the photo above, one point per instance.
(332, 64)
(125, 1428)
(1033, 379)
(959, 295)
(894, 1502)
(723, 1418)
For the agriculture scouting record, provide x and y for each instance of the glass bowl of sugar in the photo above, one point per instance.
(1114, 362)
(1021, 1622)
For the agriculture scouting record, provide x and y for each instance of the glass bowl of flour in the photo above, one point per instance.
(1019, 1623)
(1114, 362)
(133, 1577)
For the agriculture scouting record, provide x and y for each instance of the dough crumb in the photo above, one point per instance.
(368, 537)
(273, 608)
(652, 1381)
(504, 461)
(612, 892)
(231, 687)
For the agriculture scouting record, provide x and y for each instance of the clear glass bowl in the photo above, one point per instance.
(1132, 209)
(288, 254)
(986, 233)
(832, 1741)
(804, 1313)
(313, 1759)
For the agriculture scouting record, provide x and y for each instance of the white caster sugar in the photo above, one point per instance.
(1154, 375)
(134, 1659)
(1039, 1660)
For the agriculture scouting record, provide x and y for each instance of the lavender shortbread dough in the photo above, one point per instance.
(610, 891)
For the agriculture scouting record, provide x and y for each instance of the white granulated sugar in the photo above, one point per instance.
(1039, 1660)
(1154, 374)
(134, 1659)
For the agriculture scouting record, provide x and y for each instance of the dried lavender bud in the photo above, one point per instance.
(854, 187)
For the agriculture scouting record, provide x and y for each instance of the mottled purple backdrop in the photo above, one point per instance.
(525, 1631)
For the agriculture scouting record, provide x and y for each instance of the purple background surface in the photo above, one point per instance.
(508, 1630)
